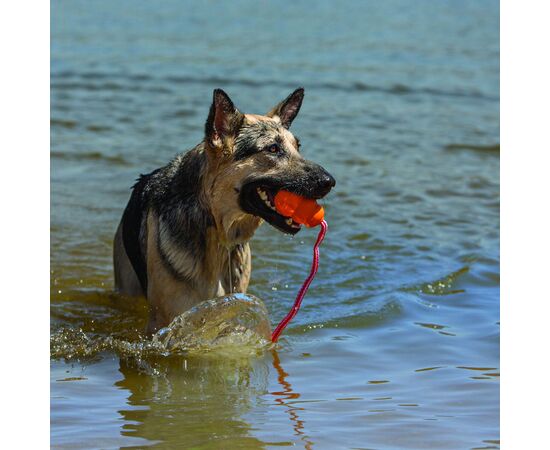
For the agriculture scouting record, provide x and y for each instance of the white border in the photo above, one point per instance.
(24, 144)
(525, 224)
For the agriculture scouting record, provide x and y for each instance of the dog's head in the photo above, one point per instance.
(252, 157)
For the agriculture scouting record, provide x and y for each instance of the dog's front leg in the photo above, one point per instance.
(167, 295)
(168, 298)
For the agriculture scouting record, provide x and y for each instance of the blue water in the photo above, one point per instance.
(397, 344)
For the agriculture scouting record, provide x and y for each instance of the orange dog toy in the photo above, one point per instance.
(302, 210)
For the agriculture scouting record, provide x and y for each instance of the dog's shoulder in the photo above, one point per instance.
(172, 194)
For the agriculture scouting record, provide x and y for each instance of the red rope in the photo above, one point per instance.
(305, 286)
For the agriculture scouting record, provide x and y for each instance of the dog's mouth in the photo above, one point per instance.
(259, 200)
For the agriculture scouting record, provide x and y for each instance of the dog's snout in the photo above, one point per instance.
(310, 180)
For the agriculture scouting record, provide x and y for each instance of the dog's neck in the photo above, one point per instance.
(232, 231)
(233, 226)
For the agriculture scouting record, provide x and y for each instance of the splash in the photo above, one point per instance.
(237, 320)
(236, 324)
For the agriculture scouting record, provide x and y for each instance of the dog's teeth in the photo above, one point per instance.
(265, 197)
(289, 222)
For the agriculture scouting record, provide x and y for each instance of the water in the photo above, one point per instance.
(397, 343)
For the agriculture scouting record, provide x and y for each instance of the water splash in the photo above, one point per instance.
(238, 320)
(237, 323)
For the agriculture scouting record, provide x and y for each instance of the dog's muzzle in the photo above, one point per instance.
(257, 196)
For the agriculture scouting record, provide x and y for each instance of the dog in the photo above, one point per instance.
(184, 234)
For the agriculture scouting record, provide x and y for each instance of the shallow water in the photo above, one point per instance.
(397, 343)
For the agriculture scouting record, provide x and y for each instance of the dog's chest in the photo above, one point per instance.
(203, 264)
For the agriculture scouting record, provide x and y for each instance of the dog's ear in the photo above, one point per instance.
(223, 119)
(288, 109)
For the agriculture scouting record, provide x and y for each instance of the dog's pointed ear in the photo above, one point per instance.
(223, 119)
(288, 109)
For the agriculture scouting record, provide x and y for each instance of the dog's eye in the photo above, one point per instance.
(274, 148)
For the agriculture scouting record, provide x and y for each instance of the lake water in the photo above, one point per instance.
(397, 344)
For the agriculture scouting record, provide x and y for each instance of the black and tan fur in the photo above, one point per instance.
(186, 222)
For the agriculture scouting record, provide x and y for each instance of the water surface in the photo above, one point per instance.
(397, 344)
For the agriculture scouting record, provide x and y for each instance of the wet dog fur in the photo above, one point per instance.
(184, 235)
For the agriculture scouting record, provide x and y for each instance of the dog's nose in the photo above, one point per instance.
(328, 180)
(325, 182)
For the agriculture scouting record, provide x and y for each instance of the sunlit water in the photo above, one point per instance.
(397, 343)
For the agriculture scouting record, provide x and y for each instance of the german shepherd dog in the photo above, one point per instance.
(184, 234)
